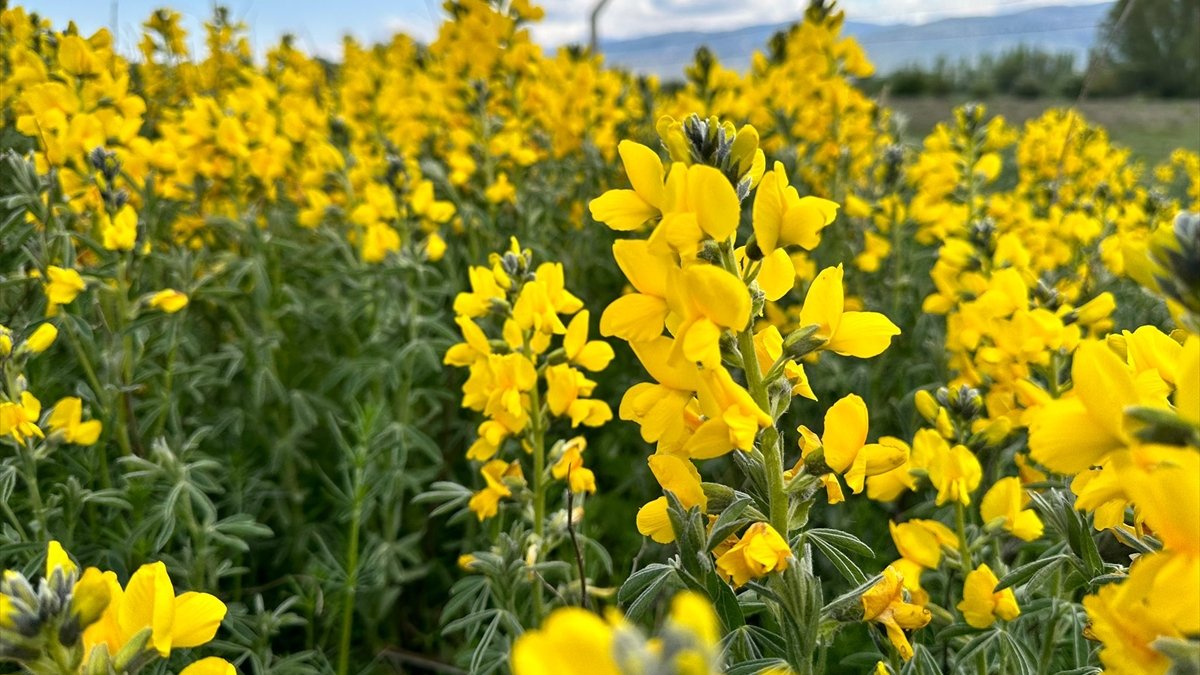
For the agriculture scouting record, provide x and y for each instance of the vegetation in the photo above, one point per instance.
(466, 357)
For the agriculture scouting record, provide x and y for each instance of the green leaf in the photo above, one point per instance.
(643, 587)
(1023, 573)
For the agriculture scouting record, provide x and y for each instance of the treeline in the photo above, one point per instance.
(1025, 72)
(1147, 48)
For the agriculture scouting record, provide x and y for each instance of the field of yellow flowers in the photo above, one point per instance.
(470, 357)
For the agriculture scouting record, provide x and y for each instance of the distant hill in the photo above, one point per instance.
(1071, 29)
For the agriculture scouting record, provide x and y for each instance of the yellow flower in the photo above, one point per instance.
(768, 348)
(64, 285)
(706, 300)
(760, 551)
(694, 613)
(41, 338)
(640, 316)
(90, 597)
(149, 601)
(486, 502)
(435, 246)
(921, 541)
(846, 450)
(861, 334)
(211, 665)
(955, 473)
(67, 418)
(594, 355)
(678, 476)
(57, 559)
(570, 465)
(571, 641)
(630, 209)
(733, 418)
(169, 300)
(884, 603)
(699, 203)
(1125, 619)
(1070, 434)
(783, 218)
(982, 603)
(19, 420)
(119, 232)
(1004, 503)
(501, 190)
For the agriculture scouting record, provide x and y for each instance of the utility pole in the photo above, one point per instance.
(594, 42)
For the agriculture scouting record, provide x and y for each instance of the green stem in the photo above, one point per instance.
(772, 454)
(964, 548)
(97, 390)
(35, 494)
(351, 576)
(538, 441)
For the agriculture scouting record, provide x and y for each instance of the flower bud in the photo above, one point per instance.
(41, 339)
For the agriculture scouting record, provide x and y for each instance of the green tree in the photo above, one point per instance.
(1151, 47)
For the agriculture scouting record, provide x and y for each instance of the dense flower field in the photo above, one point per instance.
(469, 357)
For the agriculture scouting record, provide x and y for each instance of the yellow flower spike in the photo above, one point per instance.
(41, 338)
(68, 419)
(955, 473)
(1004, 503)
(759, 552)
(169, 300)
(571, 641)
(884, 603)
(64, 286)
(782, 218)
(595, 355)
(57, 558)
(982, 604)
(860, 334)
(212, 665)
(625, 210)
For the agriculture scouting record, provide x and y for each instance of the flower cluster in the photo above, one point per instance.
(76, 621)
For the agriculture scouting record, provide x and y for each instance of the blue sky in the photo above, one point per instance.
(319, 24)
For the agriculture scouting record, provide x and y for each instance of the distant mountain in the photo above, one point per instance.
(1071, 29)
